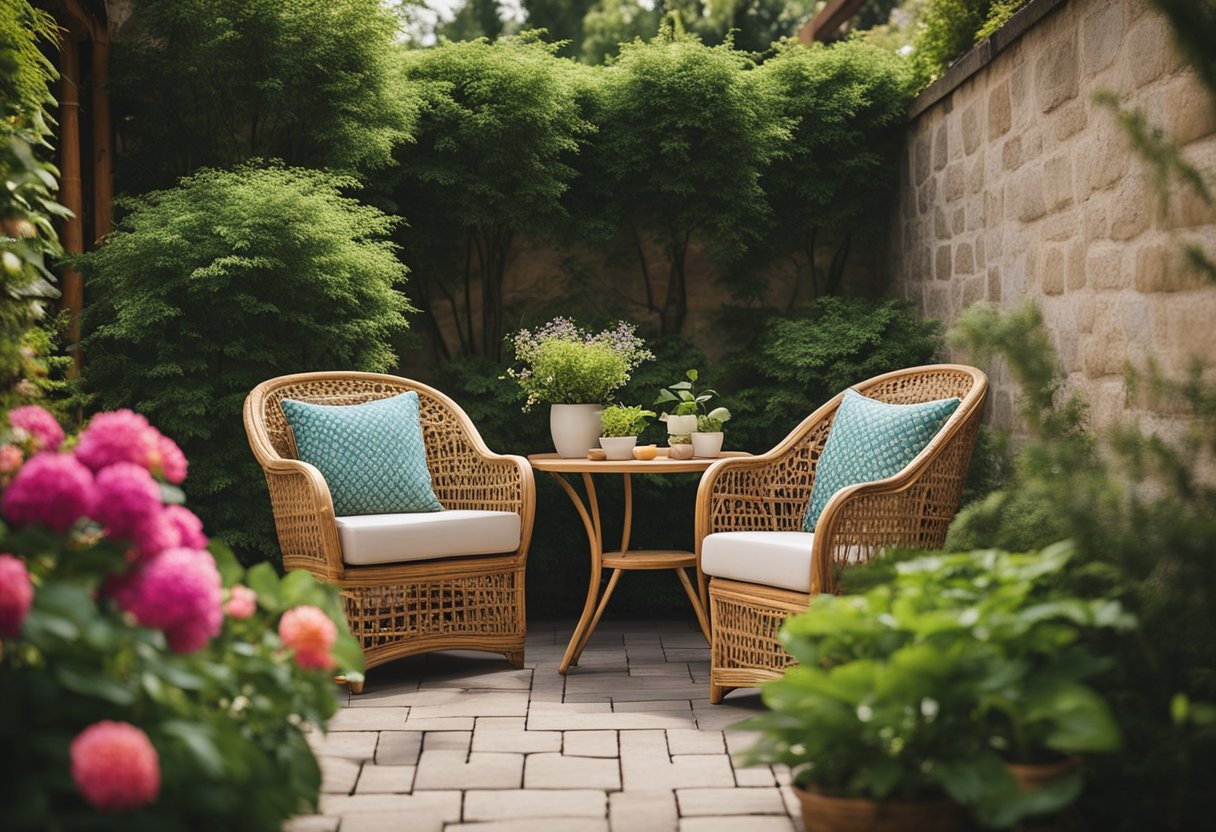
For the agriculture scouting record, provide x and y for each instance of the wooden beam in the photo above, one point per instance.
(829, 20)
(70, 191)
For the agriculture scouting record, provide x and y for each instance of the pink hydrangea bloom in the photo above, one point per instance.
(311, 633)
(118, 436)
(115, 766)
(177, 591)
(170, 461)
(126, 498)
(242, 602)
(156, 534)
(38, 424)
(189, 527)
(16, 595)
(10, 460)
(52, 489)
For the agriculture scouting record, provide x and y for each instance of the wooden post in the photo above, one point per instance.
(102, 185)
(70, 193)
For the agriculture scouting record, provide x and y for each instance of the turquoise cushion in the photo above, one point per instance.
(872, 440)
(371, 454)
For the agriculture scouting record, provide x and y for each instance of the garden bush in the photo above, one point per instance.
(148, 683)
(220, 283)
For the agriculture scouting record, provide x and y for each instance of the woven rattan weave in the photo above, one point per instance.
(395, 610)
(770, 492)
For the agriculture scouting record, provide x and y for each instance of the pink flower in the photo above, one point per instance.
(52, 489)
(169, 462)
(311, 633)
(115, 766)
(37, 424)
(156, 534)
(242, 602)
(188, 526)
(16, 595)
(126, 497)
(10, 460)
(177, 591)
(118, 436)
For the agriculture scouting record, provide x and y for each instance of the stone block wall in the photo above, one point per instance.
(1018, 185)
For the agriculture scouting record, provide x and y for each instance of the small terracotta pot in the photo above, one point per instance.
(1031, 776)
(825, 813)
(680, 451)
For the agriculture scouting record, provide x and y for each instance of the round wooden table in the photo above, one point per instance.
(623, 558)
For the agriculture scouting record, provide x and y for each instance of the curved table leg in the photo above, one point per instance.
(590, 515)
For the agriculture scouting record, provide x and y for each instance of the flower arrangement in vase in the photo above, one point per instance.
(576, 372)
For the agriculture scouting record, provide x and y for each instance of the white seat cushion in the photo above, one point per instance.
(771, 558)
(394, 538)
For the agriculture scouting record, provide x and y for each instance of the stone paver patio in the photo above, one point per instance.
(627, 742)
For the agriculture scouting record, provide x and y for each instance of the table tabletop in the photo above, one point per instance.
(661, 464)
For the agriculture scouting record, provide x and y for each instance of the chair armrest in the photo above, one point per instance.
(304, 517)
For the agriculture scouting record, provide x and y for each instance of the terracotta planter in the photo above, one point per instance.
(707, 445)
(679, 451)
(575, 428)
(618, 447)
(1031, 776)
(825, 813)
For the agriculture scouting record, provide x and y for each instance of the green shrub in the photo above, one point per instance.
(220, 283)
(950, 28)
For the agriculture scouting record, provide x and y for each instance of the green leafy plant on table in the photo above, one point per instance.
(945, 669)
(623, 420)
(148, 681)
(689, 401)
(562, 363)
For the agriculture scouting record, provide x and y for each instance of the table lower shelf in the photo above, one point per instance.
(649, 559)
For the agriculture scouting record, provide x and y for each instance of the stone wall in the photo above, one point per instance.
(1017, 184)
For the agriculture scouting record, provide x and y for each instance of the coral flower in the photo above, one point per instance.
(126, 498)
(37, 424)
(311, 633)
(115, 766)
(117, 436)
(10, 460)
(177, 591)
(52, 489)
(242, 602)
(16, 595)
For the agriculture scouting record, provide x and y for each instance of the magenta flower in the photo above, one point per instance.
(172, 464)
(37, 424)
(118, 436)
(52, 489)
(311, 633)
(177, 591)
(189, 528)
(115, 766)
(156, 534)
(242, 602)
(126, 498)
(16, 595)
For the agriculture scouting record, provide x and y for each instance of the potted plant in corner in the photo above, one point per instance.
(689, 416)
(915, 695)
(620, 426)
(575, 371)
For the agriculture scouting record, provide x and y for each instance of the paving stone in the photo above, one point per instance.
(753, 776)
(385, 780)
(645, 764)
(557, 771)
(519, 742)
(338, 774)
(534, 803)
(686, 741)
(738, 742)
(689, 639)
(442, 723)
(589, 744)
(391, 822)
(528, 825)
(487, 679)
(793, 806)
(462, 703)
(451, 770)
(311, 823)
(390, 696)
(736, 824)
(445, 805)
(576, 721)
(720, 717)
(356, 745)
(399, 748)
(655, 706)
(448, 741)
(369, 719)
(687, 654)
(642, 811)
(718, 802)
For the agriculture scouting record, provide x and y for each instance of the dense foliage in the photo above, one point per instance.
(950, 28)
(215, 82)
(148, 684)
(216, 285)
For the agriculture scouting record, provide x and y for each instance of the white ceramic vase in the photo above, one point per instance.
(707, 445)
(679, 425)
(575, 428)
(618, 447)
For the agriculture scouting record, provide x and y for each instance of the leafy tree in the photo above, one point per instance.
(215, 82)
(685, 133)
(839, 174)
(564, 20)
(609, 23)
(498, 127)
(226, 280)
(474, 19)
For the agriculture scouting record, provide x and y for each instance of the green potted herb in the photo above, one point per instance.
(620, 426)
(690, 416)
(912, 698)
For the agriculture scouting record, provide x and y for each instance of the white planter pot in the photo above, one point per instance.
(575, 428)
(618, 447)
(682, 424)
(707, 445)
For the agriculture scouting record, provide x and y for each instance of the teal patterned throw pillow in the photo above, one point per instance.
(371, 455)
(872, 440)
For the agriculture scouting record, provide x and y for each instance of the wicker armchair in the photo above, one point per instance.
(418, 606)
(770, 493)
